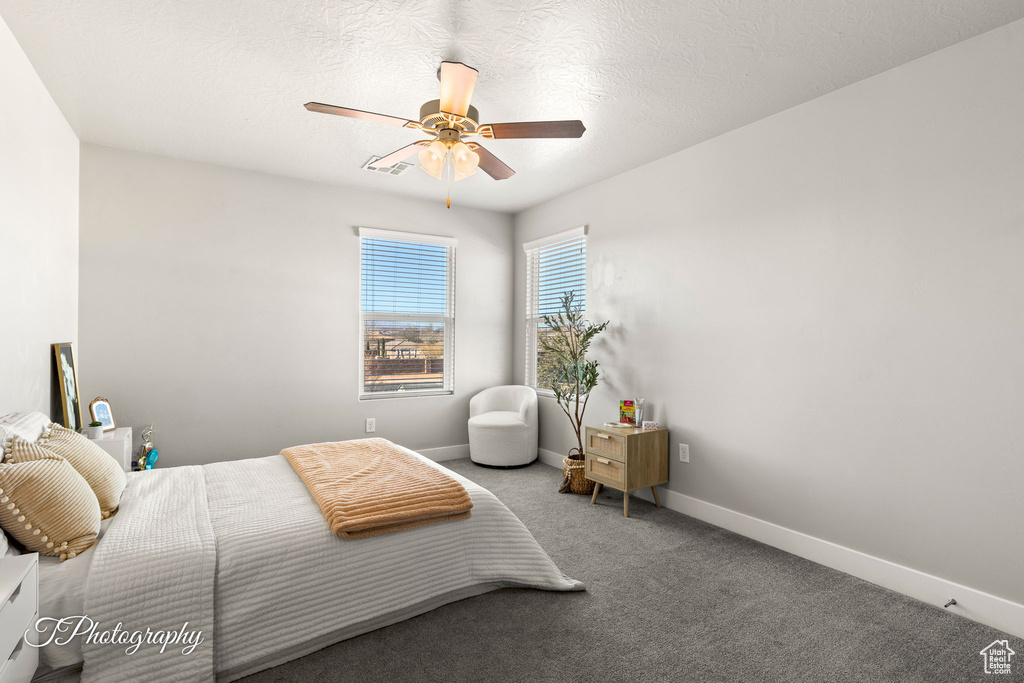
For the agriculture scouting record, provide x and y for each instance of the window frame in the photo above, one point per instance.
(532, 315)
(448, 319)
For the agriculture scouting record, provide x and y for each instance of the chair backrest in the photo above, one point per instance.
(512, 397)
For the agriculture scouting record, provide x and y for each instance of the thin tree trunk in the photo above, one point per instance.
(579, 418)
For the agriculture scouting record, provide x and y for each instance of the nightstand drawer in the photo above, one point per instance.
(608, 445)
(16, 614)
(605, 470)
(20, 664)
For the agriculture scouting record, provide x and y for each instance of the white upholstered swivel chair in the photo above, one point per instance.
(503, 426)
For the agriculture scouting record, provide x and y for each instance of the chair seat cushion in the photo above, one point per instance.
(497, 419)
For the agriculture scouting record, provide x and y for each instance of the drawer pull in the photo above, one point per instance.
(602, 436)
(14, 596)
(603, 461)
(17, 651)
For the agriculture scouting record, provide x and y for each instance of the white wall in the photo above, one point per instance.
(828, 306)
(223, 306)
(38, 234)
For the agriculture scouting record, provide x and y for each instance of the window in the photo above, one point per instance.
(407, 318)
(555, 265)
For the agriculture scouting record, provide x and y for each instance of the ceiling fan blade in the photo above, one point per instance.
(399, 155)
(492, 165)
(358, 114)
(533, 129)
(457, 83)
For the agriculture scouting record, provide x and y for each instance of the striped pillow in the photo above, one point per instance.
(102, 471)
(47, 506)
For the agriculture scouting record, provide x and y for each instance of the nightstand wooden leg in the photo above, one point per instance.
(657, 501)
(593, 497)
(625, 503)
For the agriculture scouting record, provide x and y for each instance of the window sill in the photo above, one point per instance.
(404, 394)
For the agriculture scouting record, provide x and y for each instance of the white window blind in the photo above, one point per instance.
(407, 314)
(555, 266)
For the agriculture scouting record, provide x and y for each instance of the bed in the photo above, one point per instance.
(241, 552)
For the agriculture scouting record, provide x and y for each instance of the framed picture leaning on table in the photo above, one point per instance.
(67, 378)
(100, 411)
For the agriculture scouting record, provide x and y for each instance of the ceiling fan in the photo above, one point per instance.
(450, 120)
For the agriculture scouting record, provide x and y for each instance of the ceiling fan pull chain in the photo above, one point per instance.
(449, 171)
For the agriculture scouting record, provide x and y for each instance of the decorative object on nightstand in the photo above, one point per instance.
(147, 451)
(627, 459)
(627, 412)
(19, 609)
(93, 431)
(99, 409)
(638, 407)
(118, 443)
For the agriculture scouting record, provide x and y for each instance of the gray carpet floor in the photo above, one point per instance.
(669, 598)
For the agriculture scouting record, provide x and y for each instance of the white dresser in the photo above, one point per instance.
(19, 595)
(118, 443)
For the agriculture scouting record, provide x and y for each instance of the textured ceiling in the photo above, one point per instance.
(224, 81)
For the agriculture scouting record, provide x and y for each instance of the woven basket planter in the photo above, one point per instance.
(574, 471)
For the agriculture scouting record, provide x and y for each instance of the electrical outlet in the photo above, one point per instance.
(371, 425)
(684, 453)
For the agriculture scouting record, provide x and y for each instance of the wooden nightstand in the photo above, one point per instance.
(627, 459)
(19, 609)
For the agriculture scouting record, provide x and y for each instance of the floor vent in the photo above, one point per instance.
(397, 169)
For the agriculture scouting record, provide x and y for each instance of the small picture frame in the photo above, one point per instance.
(100, 410)
(650, 424)
(67, 378)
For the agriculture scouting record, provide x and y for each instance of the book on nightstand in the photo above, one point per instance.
(627, 412)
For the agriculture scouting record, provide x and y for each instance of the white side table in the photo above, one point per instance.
(19, 609)
(119, 444)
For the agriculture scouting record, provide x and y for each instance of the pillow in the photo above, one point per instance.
(26, 425)
(12, 547)
(99, 468)
(47, 506)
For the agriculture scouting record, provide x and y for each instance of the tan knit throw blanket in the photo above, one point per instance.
(368, 487)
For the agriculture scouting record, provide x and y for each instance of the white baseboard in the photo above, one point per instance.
(971, 603)
(445, 452)
(550, 458)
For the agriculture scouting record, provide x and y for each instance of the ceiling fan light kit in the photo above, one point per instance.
(450, 119)
(464, 160)
(432, 159)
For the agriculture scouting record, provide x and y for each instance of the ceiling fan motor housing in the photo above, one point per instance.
(433, 118)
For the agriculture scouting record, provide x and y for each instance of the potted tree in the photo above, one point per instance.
(565, 369)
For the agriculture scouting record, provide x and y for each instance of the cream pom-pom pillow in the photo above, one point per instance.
(99, 468)
(47, 506)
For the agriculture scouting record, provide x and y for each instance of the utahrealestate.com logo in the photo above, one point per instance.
(997, 657)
